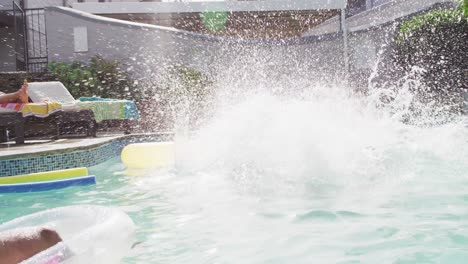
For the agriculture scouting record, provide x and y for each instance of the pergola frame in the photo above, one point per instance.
(220, 6)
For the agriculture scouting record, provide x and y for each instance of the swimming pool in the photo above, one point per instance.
(263, 184)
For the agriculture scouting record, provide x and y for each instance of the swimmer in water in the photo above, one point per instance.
(20, 244)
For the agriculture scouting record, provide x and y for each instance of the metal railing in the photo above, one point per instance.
(30, 39)
(36, 40)
(21, 49)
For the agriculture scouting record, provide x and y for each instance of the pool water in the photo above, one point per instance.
(292, 181)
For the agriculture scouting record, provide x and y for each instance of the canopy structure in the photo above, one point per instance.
(207, 6)
(108, 8)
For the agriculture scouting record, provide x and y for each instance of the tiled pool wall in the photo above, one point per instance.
(70, 159)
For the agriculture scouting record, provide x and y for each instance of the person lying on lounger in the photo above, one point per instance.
(21, 96)
(20, 244)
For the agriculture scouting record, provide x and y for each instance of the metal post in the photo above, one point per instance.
(344, 30)
(26, 44)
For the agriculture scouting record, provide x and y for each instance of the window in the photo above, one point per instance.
(358, 6)
(80, 35)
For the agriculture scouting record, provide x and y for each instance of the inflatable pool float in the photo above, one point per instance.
(149, 155)
(47, 185)
(45, 181)
(90, 234)
(45, 176)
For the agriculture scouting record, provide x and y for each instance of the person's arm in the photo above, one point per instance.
(23, 243)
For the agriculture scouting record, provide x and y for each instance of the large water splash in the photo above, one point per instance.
(291, 170)
(272, 115)
(325, 134)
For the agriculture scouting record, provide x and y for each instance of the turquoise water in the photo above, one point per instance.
(295, 181)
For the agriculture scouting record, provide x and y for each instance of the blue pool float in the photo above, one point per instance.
(47, 185)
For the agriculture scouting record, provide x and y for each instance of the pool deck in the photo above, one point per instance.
(45, 147)
(36, 147)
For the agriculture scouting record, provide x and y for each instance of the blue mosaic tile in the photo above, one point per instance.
(81, 158)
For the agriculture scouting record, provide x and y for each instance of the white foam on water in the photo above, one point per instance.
(325, 136)
(320, 174)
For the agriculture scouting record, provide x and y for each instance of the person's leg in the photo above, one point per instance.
(21, 96)
(9, 98)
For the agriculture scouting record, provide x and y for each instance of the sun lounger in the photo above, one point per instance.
(62, 121)
(40, 110)
(13, 115)
(41, 119)
(12, 119)
(104, 110)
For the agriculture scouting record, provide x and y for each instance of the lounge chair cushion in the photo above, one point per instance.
(110, 109)
(50, 91)
(103, 109)
(33, 109)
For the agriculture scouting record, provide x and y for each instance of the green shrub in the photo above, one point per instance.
(181, 94)
(186, 93)
(464, 6)
(187, 84)
(214, 21)
(101, 78)
(434, 19)
(436, 43)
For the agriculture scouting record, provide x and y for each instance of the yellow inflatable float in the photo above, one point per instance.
(149, 155)
(46, 181)
(45, 176)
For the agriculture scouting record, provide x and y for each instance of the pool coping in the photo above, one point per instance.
(73, 157)
(64, 149)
